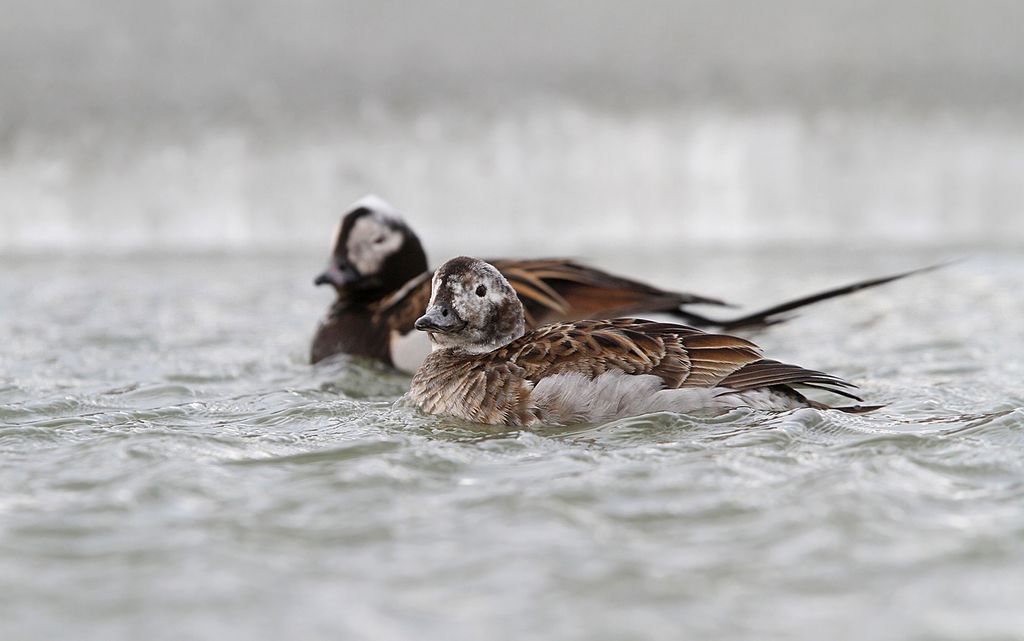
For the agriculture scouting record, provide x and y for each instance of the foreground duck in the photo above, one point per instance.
(379, 270)
(485, 368)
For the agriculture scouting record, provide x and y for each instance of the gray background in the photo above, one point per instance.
(572, 126)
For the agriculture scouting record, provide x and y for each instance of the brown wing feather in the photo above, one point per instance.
(553, 290)
(681, 356)
(713, 357)
(592, 348)
(769, 373)
(401, 309)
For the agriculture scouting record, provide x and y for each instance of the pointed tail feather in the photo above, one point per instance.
(849, 409)
(775, 314)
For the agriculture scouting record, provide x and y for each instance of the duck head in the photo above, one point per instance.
(472, 307)
(374, 252)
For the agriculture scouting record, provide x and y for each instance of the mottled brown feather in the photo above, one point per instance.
(474, 389)
(680, 356)
(496, 386)
(592, 348)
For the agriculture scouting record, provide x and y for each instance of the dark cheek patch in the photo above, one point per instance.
(504, 318)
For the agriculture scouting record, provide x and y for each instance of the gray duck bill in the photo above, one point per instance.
(441, 319)
(337, 276)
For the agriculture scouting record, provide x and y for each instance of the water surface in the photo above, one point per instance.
(173, 469)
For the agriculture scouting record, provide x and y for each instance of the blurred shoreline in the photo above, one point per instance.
(528, 127)
(559, 178)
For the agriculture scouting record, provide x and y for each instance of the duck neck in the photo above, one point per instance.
(352, 329)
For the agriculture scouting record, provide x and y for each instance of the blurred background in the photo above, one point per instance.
(527, 126)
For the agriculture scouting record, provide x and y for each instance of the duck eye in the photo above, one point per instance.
(481, 291)
(379, 239)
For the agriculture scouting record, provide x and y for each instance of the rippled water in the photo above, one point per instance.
(173, 469)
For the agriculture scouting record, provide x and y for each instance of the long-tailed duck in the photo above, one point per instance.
(379, 270)
(485, 369)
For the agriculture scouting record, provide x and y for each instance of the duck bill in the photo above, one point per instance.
(337, 276)
(440, 319)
